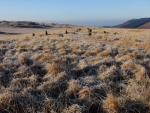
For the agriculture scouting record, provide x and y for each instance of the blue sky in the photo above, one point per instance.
(86, 12)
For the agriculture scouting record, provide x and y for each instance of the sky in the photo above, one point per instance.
(81, 12)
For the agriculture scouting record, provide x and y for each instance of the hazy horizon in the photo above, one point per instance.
(78, 12)
(96, 23)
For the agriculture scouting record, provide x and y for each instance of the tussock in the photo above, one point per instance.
(54, 68)
(80, 71)
(109, 73)
(73, 109)
(24, 59)
(85, 94)
(73, 87)
(111, 104)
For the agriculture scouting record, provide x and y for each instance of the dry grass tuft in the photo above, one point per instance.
(108, 74)
(4, 100)
(141, 74)
(85, 94)
(62, 50)
(24, 59)
(111, 104)
(80, 71)
(77, 51)
(124, 58)
(129, 65)
(53, 87)
(139, 90)
(54, 68)
(46, 57)
(49, 106)
(75, 108)
(10, 103)
(131, 106)
(73, 87)
(20, 83)
(93, 52)
(61, 35)
(106, 53)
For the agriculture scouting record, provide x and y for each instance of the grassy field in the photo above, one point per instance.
(76, 70)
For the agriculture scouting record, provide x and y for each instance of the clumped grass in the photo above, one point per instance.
(61, 35)
(55, 68)
(46, 57)
(87, 71)
(77, 51)
(22, 83)
(94, 52)
(106, 53)
(139, 90)
(73, 87)
(24, 59)
(108, 74)
(85, 94)
(75, 108)
(111, 104)
(14, 103)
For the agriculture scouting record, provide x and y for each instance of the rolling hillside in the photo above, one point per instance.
(23, 24)
(136, 23)
(29, 24)
(145, 26)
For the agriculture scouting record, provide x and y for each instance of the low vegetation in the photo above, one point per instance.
(77, 70)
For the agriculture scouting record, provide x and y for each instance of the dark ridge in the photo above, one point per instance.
(134, 23)
(6, 33)
(23, 24)
(28, 24)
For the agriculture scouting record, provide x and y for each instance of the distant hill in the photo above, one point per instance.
(143, 23)
(23, 24)
(145, 26)
(28, 24)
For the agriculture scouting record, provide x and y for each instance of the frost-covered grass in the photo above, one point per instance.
(107, 71)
